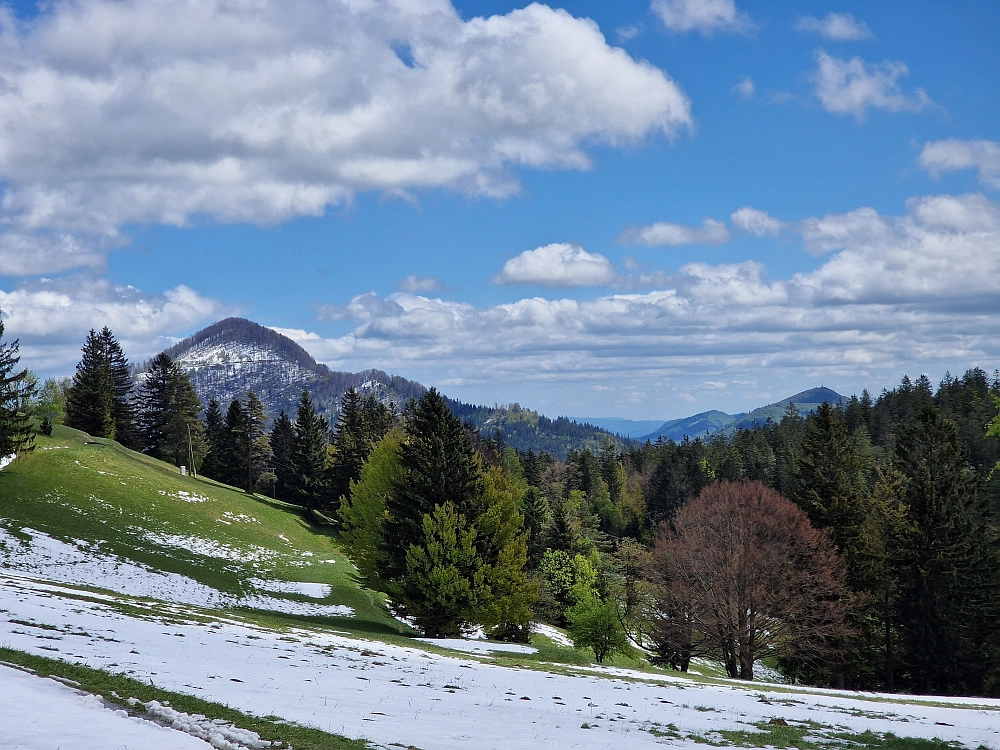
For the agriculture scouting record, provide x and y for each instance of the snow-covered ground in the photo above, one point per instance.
(39, 713)
(398, 694)
(84, 563)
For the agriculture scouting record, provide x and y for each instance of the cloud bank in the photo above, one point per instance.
(117, 113)
(557, 265)
(953, 154)
(900, 292)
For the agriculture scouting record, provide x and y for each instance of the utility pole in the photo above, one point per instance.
(194, 471)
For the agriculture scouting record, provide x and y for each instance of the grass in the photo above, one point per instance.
(74, 487)
(117, 689)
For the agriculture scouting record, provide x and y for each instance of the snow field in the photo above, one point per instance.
(39, 714)
(396, 694)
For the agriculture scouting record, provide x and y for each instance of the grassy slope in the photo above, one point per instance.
(74, 487)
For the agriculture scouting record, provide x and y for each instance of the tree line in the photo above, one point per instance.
(856, 546)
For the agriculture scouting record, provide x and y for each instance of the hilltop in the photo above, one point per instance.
(233, 356)
(712, 422)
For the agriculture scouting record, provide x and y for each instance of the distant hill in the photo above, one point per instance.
(712, 422)
(629, 428)
(235, 355)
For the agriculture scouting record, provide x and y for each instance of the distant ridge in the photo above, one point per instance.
(234, 356)
(712, 422)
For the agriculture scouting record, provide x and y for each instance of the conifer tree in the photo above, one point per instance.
(123, 409)
(235, 448)
(948, 602)
(91, 397)
(168, 414)
(215, 438)
(16, 390)
(309, 456)
(282, 441)
(362, 422)
(258, 444)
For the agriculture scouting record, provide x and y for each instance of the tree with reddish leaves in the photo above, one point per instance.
(742, 575)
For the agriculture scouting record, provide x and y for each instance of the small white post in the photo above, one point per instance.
(184, 471)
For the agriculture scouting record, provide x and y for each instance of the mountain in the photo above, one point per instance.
(235, 355)
(630, 428)
(712, 422)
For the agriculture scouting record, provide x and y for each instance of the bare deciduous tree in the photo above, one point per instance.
(742, 574)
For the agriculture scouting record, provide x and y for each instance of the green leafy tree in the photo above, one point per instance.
(168, 414)
(16, 391)
(596, 624)
(362, 422)
(363, 510)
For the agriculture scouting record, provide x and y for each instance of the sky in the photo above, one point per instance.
(634, 209)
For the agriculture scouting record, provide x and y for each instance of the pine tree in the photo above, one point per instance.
(309, 456)
(948, 602)
(282, 440)
(91, 399)
(16, 390)
(168, 414)
(215, 438)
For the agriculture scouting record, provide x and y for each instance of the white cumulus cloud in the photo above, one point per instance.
(756, 222)
(557, 265)
(711, 232)
(704, 16)
(837, 27)
(954, 154)
(52, 317)
(851, 87)
(910, 293)
(118, 113)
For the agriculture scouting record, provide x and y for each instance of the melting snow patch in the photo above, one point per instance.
(211, 548)
(479, 647)
(556, 636)
(218, 733)
(6, 461)
(315, 590)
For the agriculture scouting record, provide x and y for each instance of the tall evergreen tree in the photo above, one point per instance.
(168, 414)
(16, 390)
(123, 408)
(440, 467)
(309, 456)
(282, 440)
(948, 602)
(258, 445)
(362, 422)
(91, 398)
(235, 447)
(215, 438)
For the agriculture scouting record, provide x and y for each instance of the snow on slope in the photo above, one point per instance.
(84, 564)
(395, 694)
(39, 714)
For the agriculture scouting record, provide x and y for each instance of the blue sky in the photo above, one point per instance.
(692, 204)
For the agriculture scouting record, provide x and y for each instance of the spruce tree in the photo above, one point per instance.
(123, 409)
(16, 390)
(948, 598)
(215, 437)
(440, 467)
(282, 440)
(235, 448)
(259, 447)
(168, 414)
(362, 422)
(309, 456)
(90, 403)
